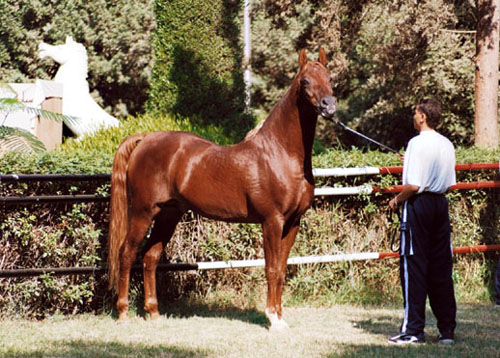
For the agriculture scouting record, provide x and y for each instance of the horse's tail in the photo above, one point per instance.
(118, 222)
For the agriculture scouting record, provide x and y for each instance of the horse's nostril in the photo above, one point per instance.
(328, 102)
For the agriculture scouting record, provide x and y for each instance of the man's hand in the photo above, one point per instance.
(393, 204)
(408, 191)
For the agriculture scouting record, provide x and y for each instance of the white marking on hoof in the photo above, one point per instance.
(123, 321)
(277, 324)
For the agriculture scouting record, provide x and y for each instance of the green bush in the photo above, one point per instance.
(35, 240)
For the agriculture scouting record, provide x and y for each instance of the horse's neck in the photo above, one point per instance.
(293, 123)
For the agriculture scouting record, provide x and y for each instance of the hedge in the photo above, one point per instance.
(198, 72)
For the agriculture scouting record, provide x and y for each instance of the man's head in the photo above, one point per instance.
(428, 111)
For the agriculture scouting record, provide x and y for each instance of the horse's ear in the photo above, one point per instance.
(322, 56)
(69, 39)
(302, 58)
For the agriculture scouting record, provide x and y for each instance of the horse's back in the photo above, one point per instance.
(189, 171)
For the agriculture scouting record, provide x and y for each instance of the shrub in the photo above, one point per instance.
(198, 72)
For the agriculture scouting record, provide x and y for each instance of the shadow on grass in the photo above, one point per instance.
(199, 309)
(185, 307)
(477, 330)
(190, 308)
(80, 348)
(414, 351)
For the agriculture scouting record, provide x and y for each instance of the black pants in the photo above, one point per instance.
(497, 284)
(426, 264)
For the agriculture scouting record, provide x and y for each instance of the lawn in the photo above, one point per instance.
(197, 331)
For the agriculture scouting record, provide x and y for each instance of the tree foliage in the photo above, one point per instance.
(117, 35)
(198, 72)
(385, 56)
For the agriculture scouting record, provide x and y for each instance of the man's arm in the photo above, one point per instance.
(408, 191)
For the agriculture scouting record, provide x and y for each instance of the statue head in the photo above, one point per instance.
(69, 51)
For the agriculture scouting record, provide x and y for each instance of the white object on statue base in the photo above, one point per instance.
(77, 101)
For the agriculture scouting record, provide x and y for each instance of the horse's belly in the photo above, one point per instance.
(217, 202)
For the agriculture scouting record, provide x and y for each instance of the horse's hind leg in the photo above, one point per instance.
(163, 229)
(138, 226)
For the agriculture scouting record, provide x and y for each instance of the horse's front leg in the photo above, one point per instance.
(286, 245)
(272, 230)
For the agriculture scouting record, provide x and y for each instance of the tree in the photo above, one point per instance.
(384, 56)
(198, 70)
(486, 100)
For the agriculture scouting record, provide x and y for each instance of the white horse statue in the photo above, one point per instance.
(77, 102)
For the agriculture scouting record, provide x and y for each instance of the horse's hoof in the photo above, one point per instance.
(123, 319)
(278, 326)
(154, 316)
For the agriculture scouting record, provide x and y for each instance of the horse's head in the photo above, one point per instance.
(315, 84)
(62, 54)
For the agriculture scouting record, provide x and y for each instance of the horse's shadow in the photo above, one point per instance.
(196, 308)
(213, 310)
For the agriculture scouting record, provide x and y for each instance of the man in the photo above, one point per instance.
(426, 255)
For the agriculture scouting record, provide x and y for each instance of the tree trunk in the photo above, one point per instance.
(486, 100)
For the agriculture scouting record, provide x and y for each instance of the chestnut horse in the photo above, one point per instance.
(267, 179)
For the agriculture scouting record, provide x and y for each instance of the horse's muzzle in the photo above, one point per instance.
(328, 106)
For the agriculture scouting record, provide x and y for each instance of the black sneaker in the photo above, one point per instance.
(446, 338)
(403, 338)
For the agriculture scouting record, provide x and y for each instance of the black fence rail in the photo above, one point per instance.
(64, 271)
(15, 200)
(52, 177)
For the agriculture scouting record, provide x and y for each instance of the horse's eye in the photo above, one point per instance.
(305, 82)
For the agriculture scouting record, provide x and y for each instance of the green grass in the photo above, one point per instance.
(205, 331)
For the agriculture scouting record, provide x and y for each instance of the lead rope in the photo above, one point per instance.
(360, 134)
(391, 218)
(395, 232)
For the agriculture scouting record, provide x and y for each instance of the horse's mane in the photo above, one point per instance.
(251, 133)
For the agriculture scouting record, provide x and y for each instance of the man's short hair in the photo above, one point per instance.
(431, 107)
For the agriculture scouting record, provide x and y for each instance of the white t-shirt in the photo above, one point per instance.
(430, 162)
